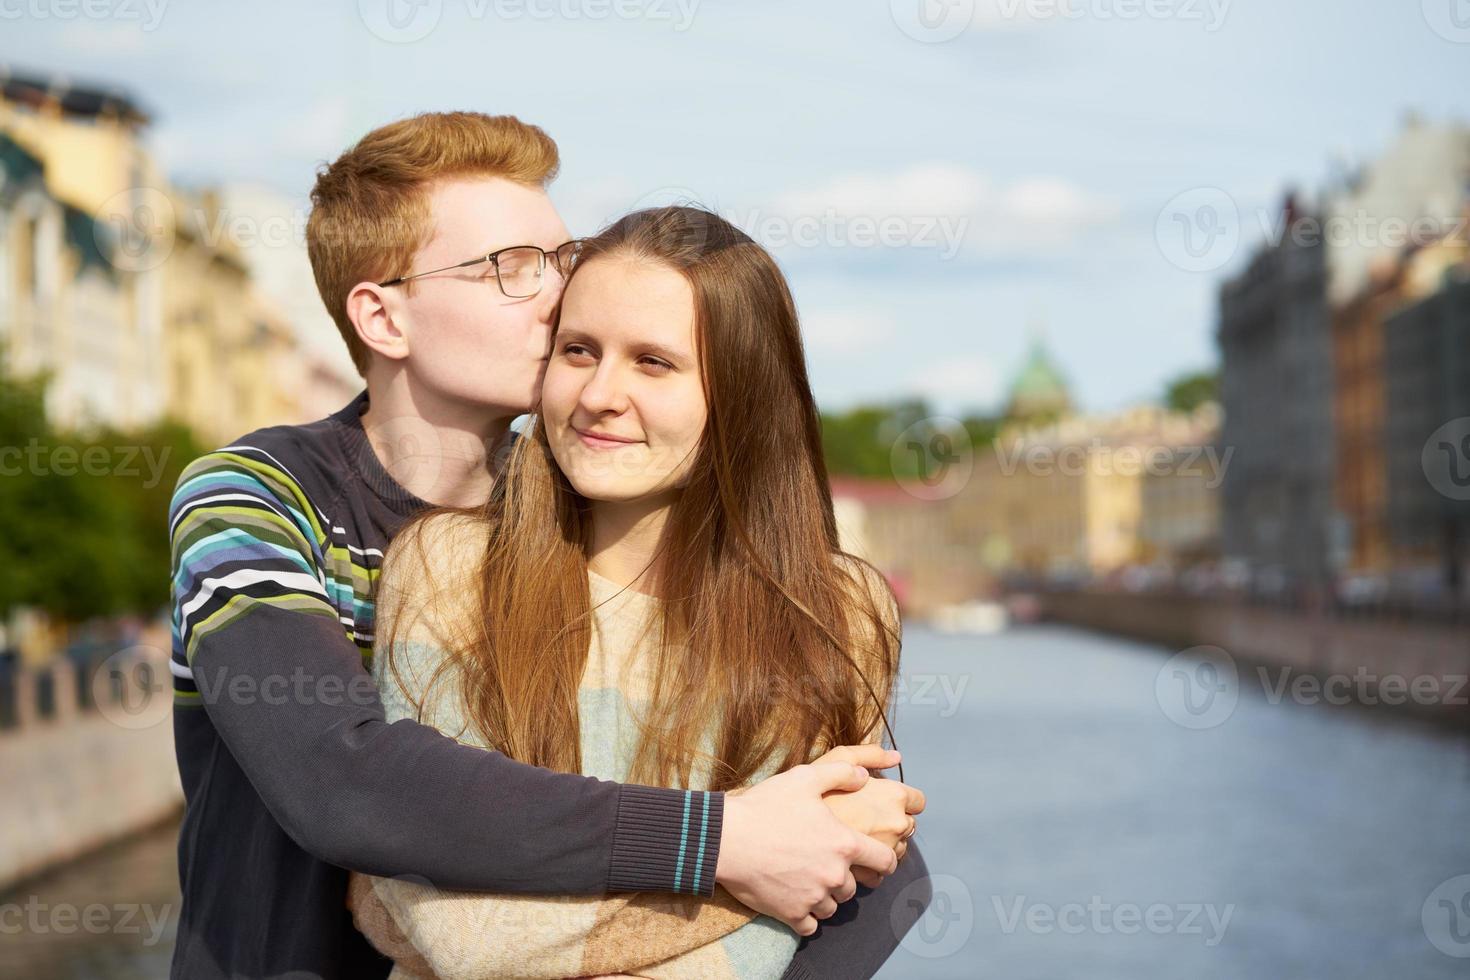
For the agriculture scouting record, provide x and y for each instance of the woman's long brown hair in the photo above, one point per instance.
(771, 643)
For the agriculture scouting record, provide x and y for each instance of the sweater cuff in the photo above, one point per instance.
(797, 970)
(667, 840)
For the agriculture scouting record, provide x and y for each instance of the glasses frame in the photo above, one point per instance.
(494, 259)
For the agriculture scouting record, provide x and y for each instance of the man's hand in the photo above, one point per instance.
(784, 852)
(883, 809)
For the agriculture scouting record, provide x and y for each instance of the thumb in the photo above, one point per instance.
(830, 776)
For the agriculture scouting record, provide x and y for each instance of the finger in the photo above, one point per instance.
(913, 826)
(803, 926)
(913, 800)
(847, 890)
(828, 776)
(876, 855)
(867, 756)
(867, 878)
(901, 849)
(826, 908)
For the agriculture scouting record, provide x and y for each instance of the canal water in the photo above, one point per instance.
(1080, 825)
(1078, 828)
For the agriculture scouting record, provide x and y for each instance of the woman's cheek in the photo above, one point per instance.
(557, 391)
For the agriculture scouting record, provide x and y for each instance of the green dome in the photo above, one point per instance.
(1039, 390)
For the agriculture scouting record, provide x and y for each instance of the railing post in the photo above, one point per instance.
(64, 689)
(27, 699)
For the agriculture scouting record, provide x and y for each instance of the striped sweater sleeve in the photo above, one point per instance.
(259, 645)
(242, 535)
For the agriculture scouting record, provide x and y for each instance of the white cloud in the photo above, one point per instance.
(958, 382)
(845, 331)
(93, 37)
(938, 205)
(927, 188)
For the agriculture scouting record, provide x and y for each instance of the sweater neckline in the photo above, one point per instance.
(608, 588)
(364, 463)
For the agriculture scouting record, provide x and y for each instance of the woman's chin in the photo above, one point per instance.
(605, 492)
(610, 489)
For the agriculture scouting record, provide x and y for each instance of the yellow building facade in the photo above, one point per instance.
(124, 288)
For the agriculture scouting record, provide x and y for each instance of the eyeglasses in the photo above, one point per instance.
(519, 269)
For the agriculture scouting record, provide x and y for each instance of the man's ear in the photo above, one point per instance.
(370, 307)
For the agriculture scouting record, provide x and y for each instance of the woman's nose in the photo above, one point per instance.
(603, 392)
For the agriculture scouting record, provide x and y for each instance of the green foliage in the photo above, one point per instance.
(85, 515)
(868, 441)
(1189, 391)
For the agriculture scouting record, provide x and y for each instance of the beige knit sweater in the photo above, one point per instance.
(437, 934)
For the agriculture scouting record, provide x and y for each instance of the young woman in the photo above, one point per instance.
(654, 593)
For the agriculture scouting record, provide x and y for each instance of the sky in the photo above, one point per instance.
(941, 180)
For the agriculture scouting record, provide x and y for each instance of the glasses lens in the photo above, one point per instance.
(566, 256)
(520, 271)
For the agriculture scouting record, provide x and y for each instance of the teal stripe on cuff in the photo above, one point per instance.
(683, 839)
(703, 831)
(646, 841)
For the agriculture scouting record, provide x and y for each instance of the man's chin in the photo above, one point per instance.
(525, 401)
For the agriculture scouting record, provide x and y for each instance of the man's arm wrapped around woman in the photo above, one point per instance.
(456, 935)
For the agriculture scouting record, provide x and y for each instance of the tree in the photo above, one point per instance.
(1189, 391)
(85, 515)
(866, 441)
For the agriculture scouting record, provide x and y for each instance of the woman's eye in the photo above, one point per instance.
(576, 350)
(656, 364)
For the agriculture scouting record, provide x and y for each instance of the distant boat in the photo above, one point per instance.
(976, 617)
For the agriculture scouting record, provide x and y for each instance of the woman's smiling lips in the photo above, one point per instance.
(602, 440)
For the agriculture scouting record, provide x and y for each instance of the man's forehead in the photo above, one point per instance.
(484, 215)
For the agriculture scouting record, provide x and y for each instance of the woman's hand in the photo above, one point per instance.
(883, 809)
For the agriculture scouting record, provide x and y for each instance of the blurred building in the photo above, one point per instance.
(1390, 218)
(1426, 368)
(1039, 393)
(1337, 351)
(1179, 518)
(135, 294)
(65, 306)
(1362, 477)
(1412, 194)
(908, 538)
(1277, 502)
(234, 360)
(1089, 495)
(271, 240)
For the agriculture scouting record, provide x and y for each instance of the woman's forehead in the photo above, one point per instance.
(623, 298)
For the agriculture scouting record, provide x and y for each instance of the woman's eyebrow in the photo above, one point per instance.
(667, 353)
